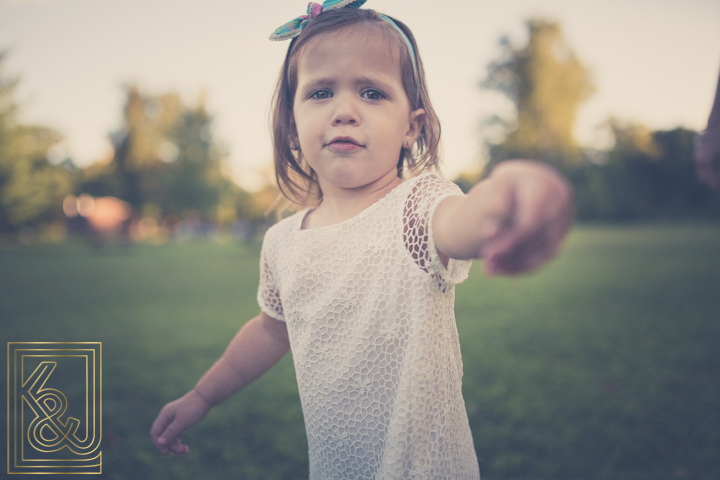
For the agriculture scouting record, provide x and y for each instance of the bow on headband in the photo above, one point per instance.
(296, 25)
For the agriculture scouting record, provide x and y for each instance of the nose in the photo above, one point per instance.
(346, 111)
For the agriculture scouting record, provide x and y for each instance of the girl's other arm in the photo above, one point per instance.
(707, 150)
(258, 345)
(515, 219)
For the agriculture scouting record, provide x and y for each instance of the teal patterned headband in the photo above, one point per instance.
(294, 27)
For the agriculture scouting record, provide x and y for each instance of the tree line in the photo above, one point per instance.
(168, 167)
(644, 174)
(31, 189)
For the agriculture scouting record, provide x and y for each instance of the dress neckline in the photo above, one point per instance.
(359, 216)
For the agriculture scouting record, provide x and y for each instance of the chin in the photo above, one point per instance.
(349, 177)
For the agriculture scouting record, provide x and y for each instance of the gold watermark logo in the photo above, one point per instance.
(54, 407)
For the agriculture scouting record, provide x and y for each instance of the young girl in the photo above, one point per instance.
(360, 287)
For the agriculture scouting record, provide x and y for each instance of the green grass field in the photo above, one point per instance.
(603, 365)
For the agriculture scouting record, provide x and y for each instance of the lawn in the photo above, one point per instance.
(603, 365)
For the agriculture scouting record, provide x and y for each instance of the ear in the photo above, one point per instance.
(417, 120)
(294, 140)
(294, 143)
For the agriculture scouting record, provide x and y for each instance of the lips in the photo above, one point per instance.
(344, 144)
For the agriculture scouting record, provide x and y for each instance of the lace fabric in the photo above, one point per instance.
(369, 308)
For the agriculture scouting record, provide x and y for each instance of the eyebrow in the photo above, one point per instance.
(320, 81)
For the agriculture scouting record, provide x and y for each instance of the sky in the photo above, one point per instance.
(654, 62)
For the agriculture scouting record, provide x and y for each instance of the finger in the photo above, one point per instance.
(158, 429)
(539, 206)
(517, 264)
(166, 437)
(160, 445)
(171, 436)
(515, 252)
(178, 448)
(498, 254)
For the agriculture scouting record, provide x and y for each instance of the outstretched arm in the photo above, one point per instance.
(258, 345)
(515, 219)
(707, 151)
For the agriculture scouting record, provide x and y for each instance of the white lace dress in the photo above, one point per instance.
(369, 308)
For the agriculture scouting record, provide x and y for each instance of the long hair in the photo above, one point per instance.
(296, 180)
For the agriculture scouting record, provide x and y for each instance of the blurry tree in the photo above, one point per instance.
(193, 179)
(31, 189)
(620, 186)
(684, 194)
(547, 83)
(645, 174)
(133, 173)
(167, 163)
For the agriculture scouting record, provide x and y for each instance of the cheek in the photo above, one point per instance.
(299, 126)
(300, 116)
(308, 124)
(399, 128)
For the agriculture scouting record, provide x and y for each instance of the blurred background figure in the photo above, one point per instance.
(101, 219)
(707, 151)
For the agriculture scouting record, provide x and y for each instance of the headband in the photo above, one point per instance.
(294, 27)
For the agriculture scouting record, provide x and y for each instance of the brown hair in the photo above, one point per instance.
(296, 180)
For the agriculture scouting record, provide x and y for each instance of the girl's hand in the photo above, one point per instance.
(707, 158)
(258, 345)
(515, 219)
(174, 419)
(536, 213)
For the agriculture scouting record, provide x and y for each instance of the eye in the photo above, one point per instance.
(372, 94)
(321, 94)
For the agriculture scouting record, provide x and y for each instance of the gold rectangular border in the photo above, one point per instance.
(96, 350)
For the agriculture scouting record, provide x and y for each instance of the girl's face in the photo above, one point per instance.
(351, 113)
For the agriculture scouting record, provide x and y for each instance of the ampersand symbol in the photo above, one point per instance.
(47, 433)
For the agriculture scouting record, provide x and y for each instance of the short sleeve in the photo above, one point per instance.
(268, 295)
(427, 193)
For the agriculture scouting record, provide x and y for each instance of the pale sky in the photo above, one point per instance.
(654, 62)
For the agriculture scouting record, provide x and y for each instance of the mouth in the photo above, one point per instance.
(344, 144)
